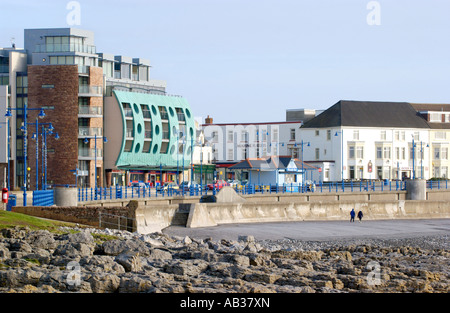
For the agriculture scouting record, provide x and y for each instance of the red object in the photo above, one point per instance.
(218, 185)
(5, 195)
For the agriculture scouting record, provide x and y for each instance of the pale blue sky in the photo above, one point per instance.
(250, 60)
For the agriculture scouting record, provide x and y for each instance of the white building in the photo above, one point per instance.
(368, 140)
(232, 143)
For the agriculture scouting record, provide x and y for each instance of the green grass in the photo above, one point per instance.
(11, 220)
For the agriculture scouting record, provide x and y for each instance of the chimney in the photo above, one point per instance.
(208, 120)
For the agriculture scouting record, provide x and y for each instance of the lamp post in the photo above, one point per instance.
(24, 129)
(413, 157)
(342, 155)
(86, 141)
(422, 148)
(45, 131)
(308, 144)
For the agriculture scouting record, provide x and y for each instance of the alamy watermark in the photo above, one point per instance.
(74, 275)
(73, 18)
(374, 276)
(374, 16)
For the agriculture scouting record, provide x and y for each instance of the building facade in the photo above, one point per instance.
(81, 92)
(233, 143)
(357, 140)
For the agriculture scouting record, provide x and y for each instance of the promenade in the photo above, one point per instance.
(320, 230)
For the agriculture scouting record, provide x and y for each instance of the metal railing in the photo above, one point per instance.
(120, 192)
(90, 131)
(106, 220)
(51, 48)
(92, 90)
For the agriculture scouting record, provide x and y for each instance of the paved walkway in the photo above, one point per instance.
(316, 231)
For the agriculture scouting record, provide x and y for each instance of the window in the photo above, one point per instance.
(437, 153)
(360, 152)
(275, 135)
(230, 155)
(397, 135)
(402, 135)
(317, 154)
(230, 136)
(329, 134)
(444, 153)
(215, 137)
(351, 152)
(352, 172)
(292, 134)
(416, 136)
(397, 153)
(403, 153)
(244, 136)
(317, 132)
(383, 135)
(435, 117)
(379, 153)
(440, 135)
(387, 152)
(356, 135)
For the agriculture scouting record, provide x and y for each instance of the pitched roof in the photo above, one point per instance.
(270, 163)
(369, 114)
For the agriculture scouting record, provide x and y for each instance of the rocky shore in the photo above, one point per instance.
(107, 261)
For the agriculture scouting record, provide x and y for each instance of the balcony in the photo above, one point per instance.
(89, 153)
(83, 70)
(130, 133)
(55, 48)
(146, 114)
(89, 132)
(128, 112)
(89, 111)
(165, 135)
(90, 91)
(148, 134)
(181, 117)
(164, 116)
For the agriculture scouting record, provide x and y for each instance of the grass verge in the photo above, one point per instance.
(11, 220)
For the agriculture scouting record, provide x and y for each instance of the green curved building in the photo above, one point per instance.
(149, 136)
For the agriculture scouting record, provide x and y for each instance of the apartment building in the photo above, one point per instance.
(60, 71)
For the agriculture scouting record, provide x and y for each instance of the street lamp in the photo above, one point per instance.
(308, 144)
(342, 156)
(24, 129)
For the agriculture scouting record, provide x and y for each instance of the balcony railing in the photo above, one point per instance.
(146, 114)
(89, 153)
(51, 48)
(165, 135)
(164, 116)
(89, 131)
(181, 117)
(130, 133)
(83, 69)
(93, 90)
(148, 134)
(88, 110)
(128, 112)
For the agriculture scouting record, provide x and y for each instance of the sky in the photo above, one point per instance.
(248, 61)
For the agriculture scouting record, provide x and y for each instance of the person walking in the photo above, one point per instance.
(360, 215)
(352, 215)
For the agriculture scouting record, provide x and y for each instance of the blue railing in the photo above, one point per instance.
(43, 198)
(119, 192)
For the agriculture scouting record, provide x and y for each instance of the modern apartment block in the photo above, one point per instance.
(82, 92)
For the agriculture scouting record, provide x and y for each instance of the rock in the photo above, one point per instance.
(130, 261)
(187, 267)
(116, 247)
(104, 283)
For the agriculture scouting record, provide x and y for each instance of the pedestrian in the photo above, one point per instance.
(352, 215)
(360, 216)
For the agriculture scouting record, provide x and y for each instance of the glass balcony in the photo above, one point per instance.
(89, 153)
(54, 48)
(181, 117)
(88, 110)
(146, 114)
(130, 133)
(89, 132)
(128, 112)
(92, 90)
